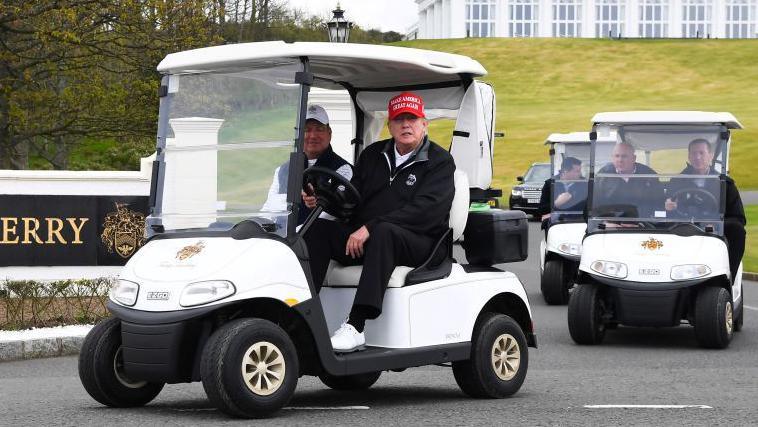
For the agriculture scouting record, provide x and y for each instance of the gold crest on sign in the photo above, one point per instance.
(652, 244)
(190, 251)
(123, 231)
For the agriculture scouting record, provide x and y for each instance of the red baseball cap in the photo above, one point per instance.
(406, 102)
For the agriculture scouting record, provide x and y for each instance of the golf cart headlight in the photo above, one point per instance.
(515, 192)
(570, 248)
(689, 271)
(125, 292)
(204, 292)
(610, 268)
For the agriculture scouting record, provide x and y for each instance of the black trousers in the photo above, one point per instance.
(388, 246)
(735, 244)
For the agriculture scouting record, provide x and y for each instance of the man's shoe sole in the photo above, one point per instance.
(352, 350)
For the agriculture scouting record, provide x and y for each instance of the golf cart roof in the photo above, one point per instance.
(666, 118)
(576, 138)
(361, 66)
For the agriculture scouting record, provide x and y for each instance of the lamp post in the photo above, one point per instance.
(338, 27)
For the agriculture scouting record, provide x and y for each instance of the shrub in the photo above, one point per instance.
(30, 304)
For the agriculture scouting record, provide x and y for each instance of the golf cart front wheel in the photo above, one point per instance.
(350, 382)
(585, 315)
(714, 317)
(249, 368)
(499, 359)
(553, 283)
(101, 369)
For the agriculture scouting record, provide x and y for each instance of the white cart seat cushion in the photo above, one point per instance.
(339, 276)
(459, 209)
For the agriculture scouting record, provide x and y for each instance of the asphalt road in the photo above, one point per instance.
(631, 367)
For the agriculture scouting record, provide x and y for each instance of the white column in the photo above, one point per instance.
(718, 19)
(546, 18)
(675, 18)
(191, 176)
(438, 20)
(588, 18)
(503, 18)
(430, 22)
(339, 108)
(457, 19)
(632, 18)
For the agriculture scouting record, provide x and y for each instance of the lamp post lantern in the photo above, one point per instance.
(338, 26)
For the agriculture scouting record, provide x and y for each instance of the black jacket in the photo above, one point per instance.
(554, 188)
(417, 195)
(645, 194)
(328, 159)
(733, 211)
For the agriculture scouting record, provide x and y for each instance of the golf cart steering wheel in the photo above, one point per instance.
(692, 201)
(334, 193)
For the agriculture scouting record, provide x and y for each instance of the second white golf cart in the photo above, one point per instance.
(222, 293)
(561, 244)
(655, 253)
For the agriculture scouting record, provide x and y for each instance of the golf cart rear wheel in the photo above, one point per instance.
(585, 311)
(101, 369)
(554, 284)
(350, 382)
(499, 359)
(714, 317)
(249, 368)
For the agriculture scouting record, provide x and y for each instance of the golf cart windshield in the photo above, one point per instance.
(228, 138)
(658, 177)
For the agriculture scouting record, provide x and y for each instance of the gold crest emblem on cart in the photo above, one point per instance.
(123, 231)
(652, 244)
(190, 251)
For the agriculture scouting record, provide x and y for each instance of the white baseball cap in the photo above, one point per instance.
(317, 112)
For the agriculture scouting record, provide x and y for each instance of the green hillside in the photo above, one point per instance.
(556, 85)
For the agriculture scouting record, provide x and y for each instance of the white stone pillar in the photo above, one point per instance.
(503, 18)
(430, 22)
(438, 33)
(718, 19)
(676, 18)
(632, 19)
(339, 108)
(588, 19)
(191, 180)
(545, 26)
(457, 19)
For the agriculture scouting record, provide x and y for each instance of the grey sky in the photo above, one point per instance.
(389, 15)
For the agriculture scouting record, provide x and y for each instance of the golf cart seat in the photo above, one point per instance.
(437, 266)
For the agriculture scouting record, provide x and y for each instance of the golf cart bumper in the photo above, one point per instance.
(162, 346)
(649, 304)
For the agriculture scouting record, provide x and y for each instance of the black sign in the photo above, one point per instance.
(70, 230)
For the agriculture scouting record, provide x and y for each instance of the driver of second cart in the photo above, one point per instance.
(318, 152)
(406, 185)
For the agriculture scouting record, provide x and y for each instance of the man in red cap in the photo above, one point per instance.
(407, 187)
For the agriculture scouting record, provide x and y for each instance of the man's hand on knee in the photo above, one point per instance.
(354, 246)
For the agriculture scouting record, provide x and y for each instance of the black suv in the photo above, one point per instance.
(525, 196)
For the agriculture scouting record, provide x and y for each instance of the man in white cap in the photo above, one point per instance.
(318, 151)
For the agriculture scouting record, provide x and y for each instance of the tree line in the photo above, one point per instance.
(75, 72)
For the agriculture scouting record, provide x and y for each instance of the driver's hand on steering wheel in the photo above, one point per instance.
(670, 205)
(354, 246)
(309, 200)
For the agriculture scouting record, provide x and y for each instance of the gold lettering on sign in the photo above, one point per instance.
(31, 230)
(8, 230)
(77, 230)
(51, 231)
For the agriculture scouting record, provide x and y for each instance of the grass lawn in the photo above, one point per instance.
(750, 259)
(557, 85)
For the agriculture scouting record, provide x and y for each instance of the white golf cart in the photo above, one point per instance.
(222, 292)
(645, 262)
(561, 245)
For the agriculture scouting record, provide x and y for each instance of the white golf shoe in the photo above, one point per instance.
(347, 339)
